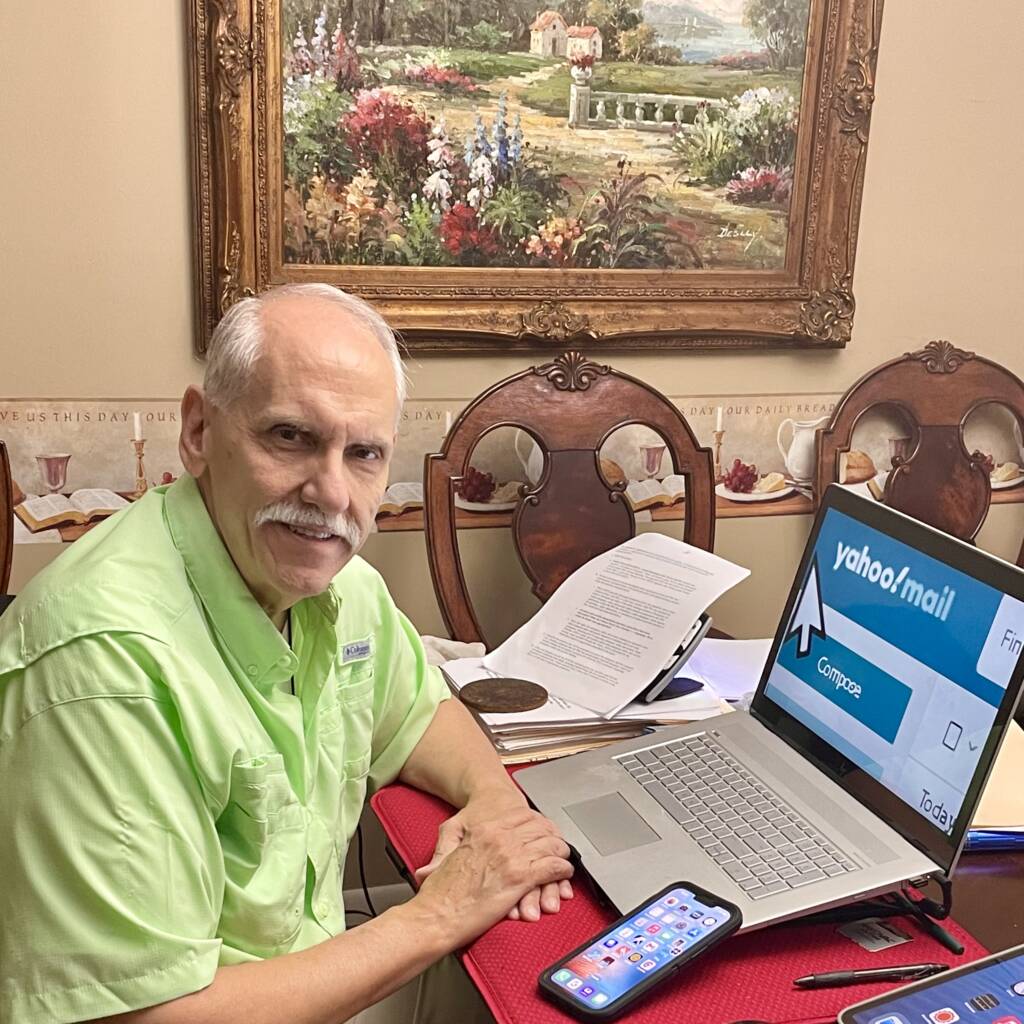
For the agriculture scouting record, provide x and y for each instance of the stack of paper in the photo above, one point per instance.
(599, 642)
(561, 727)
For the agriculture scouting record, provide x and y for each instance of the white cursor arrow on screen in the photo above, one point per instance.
(808, 617)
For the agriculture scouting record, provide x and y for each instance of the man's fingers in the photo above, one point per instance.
(549, 899)
(565, 889)
(529, 906)
(550, 869)
(545, 846)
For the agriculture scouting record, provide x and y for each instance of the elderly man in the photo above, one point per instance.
(195, 699)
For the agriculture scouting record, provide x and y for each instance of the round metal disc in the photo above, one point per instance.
(503, 695)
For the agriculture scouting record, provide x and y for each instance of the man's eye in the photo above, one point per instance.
(287, 433)
(365, 453)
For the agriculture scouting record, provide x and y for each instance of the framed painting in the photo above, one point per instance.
(499, 174)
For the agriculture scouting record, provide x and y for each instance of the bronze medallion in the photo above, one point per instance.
(503, 696)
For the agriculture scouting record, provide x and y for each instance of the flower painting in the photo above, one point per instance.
(515, 174)
(581, 135)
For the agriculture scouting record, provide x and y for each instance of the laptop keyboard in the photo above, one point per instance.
(747, 830)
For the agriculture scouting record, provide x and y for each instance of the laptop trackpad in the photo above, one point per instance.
(611, 824)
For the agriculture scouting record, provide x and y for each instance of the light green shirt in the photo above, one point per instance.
(166, 806)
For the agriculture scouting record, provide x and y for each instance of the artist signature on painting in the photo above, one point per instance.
(733, 231)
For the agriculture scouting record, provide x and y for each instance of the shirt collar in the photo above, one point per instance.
(255, 643)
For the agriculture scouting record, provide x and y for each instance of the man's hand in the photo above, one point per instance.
(493, 865)
(498, 806)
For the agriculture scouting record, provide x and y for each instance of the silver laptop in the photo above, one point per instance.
(892, 679)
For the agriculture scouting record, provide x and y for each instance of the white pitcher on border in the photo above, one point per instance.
(799, 456)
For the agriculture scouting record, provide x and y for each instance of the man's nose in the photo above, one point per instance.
(328, 486)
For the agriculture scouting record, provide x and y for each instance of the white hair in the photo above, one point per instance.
(237, 341)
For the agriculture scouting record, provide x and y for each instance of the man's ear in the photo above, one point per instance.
(195, 413)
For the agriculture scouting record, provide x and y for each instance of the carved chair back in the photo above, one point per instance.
(569, 407)
(6, 519)
(936, 389)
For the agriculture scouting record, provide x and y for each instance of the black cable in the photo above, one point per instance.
(362, 870)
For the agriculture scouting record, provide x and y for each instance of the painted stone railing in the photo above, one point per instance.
(641, 111)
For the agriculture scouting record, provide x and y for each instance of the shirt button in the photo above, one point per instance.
(284, 661)
(252, 670)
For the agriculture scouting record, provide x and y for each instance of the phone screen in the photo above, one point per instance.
(641, 944)
(991, 992)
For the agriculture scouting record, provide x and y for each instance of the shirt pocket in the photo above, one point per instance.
(354, 708)
(262, 832)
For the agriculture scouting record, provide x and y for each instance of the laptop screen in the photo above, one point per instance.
(897, 661)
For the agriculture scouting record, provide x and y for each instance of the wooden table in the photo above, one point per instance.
(988, 897)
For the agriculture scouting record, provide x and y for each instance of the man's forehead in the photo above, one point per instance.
(310, 327)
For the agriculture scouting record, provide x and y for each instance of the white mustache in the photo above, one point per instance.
(306, 517)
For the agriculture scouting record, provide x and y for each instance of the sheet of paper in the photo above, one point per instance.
(556, 710)
(1002, 802)
(609, 628)
(731, 668)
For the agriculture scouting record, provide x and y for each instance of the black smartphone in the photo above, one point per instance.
(608, 974)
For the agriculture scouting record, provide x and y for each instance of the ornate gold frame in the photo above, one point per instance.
(235, 78)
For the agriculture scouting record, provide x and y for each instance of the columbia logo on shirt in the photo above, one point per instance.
(356, 651)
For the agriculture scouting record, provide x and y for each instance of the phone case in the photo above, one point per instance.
(935, 981)
(552, 991)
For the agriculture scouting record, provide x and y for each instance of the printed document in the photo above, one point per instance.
(610, 627)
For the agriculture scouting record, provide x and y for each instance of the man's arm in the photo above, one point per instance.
(455, 761)
(473, 889)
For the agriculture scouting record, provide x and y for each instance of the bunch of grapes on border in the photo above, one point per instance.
(475, 486)
(740, 478)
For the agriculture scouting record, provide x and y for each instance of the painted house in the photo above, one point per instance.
(548, 34)
(584, 39)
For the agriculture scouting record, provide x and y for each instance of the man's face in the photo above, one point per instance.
(293, 471)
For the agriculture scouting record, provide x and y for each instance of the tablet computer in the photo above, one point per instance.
(989, 991)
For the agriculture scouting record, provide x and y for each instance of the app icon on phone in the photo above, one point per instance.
(648, 965)
(611, 943)
(607, 961)
(599, 999)
(656, 912)
(650, 946)
(640, 921)
(562, 976)
(697, 914)
(694, 933)
(625, 933)
(1018, 988)
(587, 990)
(1009, 1019)
(985, 1001)
(637, 940)
(671, 901)
(709, 922)
(574, 983)
(891, 1018)
(947, 1015)
(635, 957)
(622, 950)
(653, 929)
(668, 919)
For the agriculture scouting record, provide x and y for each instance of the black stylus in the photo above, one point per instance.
(909, 972)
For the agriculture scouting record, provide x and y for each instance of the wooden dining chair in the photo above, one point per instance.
(569, 407)
(6, 519)
(936, 388)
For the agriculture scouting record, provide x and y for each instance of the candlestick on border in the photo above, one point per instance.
(718, 435)
(139, 444)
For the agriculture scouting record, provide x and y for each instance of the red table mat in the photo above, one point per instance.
(747, 977)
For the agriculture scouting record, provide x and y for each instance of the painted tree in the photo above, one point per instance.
(782, 26)
(613, 18)
(638, 44)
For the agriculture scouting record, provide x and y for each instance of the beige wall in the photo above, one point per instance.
(96, 262)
